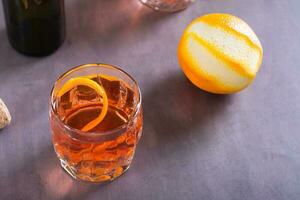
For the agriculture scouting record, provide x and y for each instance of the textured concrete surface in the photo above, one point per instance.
(195, 145)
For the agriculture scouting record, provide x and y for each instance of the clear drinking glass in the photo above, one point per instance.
(167, 5)
(106, 151)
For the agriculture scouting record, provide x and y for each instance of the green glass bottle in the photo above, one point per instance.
(35, 27)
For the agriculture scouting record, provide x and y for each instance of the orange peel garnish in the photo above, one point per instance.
(74, 82)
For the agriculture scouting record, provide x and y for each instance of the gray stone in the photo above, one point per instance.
(5, 116)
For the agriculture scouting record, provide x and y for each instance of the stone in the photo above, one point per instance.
(5, 117)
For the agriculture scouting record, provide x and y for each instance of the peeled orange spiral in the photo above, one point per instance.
(85, 81)
(220, 53)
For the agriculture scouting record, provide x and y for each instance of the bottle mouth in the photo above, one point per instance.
(86, 68)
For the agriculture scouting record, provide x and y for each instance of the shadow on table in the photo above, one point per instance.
(178, 119)
(108, 21)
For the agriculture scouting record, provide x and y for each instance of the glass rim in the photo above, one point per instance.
(135, 112)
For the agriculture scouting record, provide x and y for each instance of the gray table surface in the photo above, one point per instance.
(195, 145)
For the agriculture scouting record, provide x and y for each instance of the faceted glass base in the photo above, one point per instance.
(167, 5)
(107, 176)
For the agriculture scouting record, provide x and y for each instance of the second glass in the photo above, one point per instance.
(167, 5)
(106, 151)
